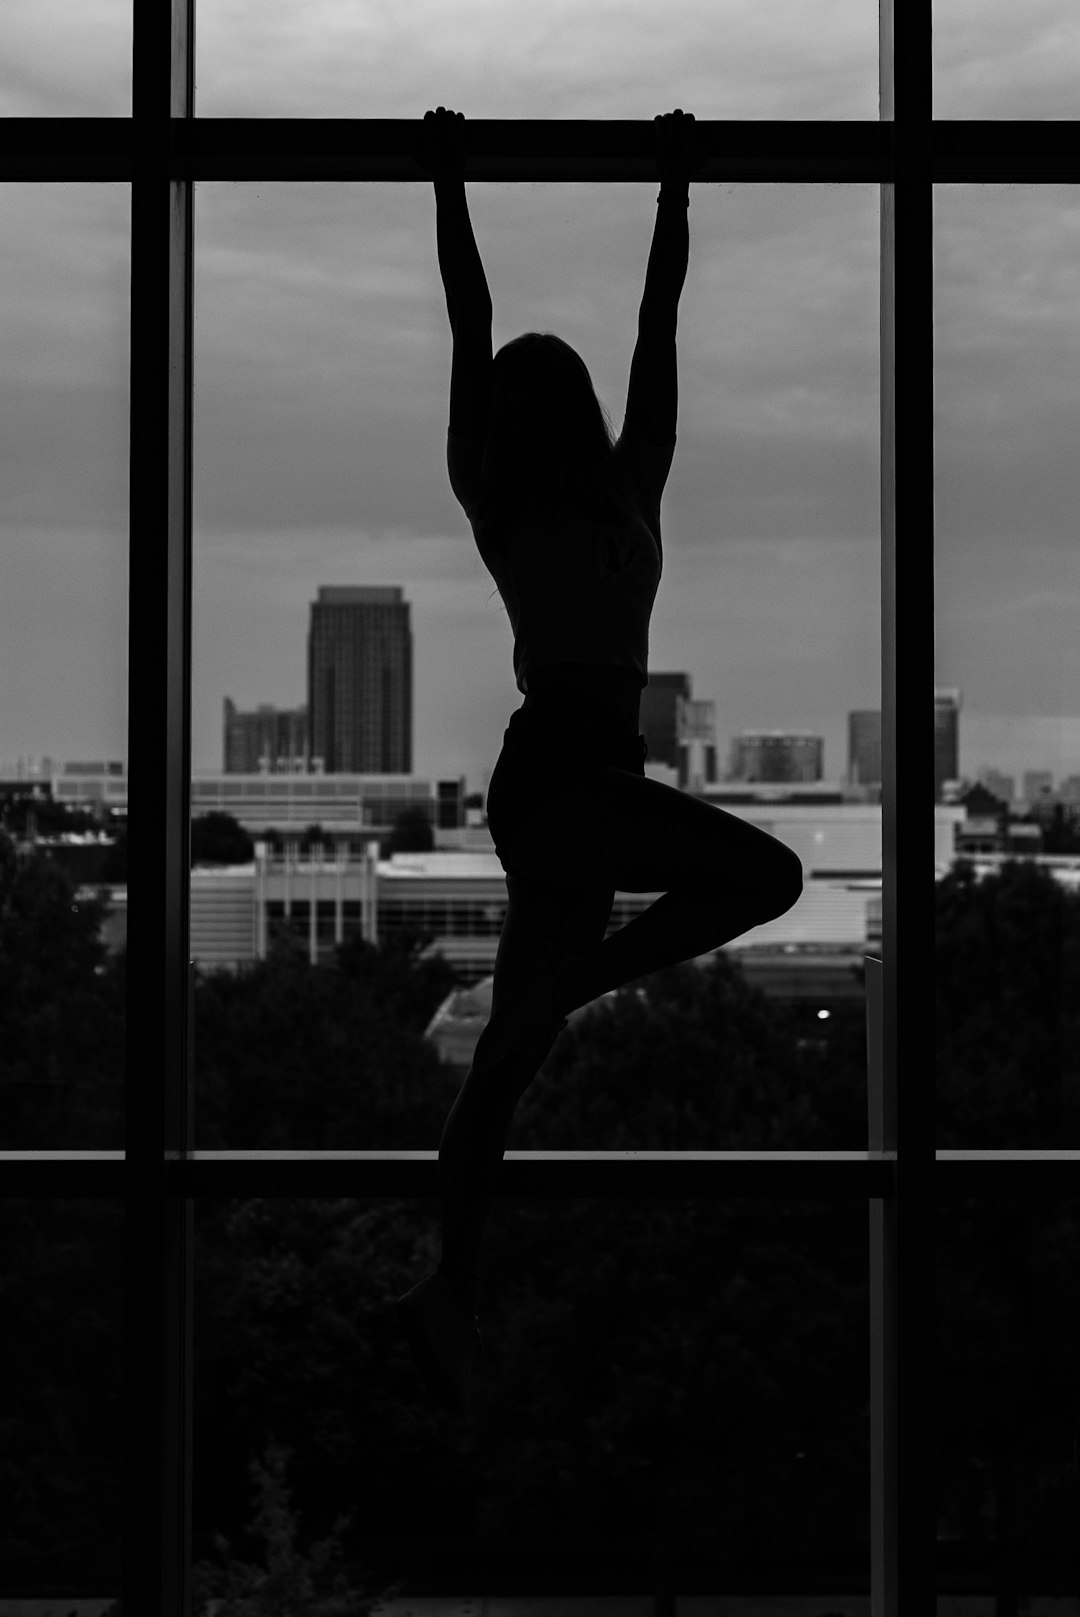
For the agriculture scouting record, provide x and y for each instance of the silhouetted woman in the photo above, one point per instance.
(568, 524)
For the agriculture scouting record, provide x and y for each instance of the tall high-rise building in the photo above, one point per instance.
(946, 738)
(864, 747)
(660, 716)
(360, 681)
(272, 740)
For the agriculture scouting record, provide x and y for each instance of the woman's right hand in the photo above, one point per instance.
(442, 145)
(677, 155)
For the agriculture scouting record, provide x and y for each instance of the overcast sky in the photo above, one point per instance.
(323, 360)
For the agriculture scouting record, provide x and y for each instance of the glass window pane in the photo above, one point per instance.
(997, 59)
(1007, 709)
(569, 59)
(66, 61)
(64, 297)
(1008, 1436)
(322, 370)
(62, 1425)
(668, 1388)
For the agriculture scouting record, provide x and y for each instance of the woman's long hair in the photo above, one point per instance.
(550, 444)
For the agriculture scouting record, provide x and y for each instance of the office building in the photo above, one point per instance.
(864, 747)
(777, 755)
(946, 739)
(270, 741)
(360, 681)
(1003, 786)
(696, 723)
(1038, 786)
(660, 716)
(349, 804)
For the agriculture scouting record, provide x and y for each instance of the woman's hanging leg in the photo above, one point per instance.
(545, 928)
(679, 926)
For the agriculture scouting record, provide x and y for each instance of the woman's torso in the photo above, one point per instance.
(584, 695)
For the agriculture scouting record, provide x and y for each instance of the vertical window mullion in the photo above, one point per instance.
(158, 1272)
(881, 973)
(908, 782)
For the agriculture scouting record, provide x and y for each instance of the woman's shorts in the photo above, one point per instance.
(548, 754)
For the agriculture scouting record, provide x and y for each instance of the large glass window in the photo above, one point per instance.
(647, 1328)
(64, 268)
(676, 1390)
(322, 369)
(1008, 1422)
(1007, 707)
(62, 1402)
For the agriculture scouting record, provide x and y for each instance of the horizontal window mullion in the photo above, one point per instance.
(529, 1174)
(975, 152)
(413, 1174)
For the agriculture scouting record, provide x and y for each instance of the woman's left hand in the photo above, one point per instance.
(441, 151)
(677, 155)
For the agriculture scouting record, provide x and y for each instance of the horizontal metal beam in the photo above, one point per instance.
(526, 1174)
(535, 1175)
(528, 149)
(561, 1566)
(543, 1173)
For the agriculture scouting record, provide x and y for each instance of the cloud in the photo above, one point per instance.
(65, 60)
(997, 59)
(564, 59)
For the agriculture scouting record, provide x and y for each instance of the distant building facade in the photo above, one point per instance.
(271, 741)
(946, 739)
(360, 681)
(697, 744)
(350, 804)
(660, 716)
(777, 755)
(864, 747)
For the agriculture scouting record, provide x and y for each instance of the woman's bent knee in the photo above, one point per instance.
(785, 884)
(767, 890)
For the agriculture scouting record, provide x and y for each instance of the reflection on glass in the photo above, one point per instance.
(997, 59)
(668, 1384)
(321, 386)
(1007, 708)
(63, 627)
(563, 59)
(64, 60)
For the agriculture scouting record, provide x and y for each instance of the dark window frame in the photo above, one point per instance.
(160, 150)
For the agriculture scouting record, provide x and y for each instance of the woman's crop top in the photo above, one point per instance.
(577, 590)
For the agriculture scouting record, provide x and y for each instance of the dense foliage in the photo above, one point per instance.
(659, 1373)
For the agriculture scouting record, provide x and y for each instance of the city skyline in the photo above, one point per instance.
(322, 360)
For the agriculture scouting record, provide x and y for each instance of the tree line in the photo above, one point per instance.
(666, 1372)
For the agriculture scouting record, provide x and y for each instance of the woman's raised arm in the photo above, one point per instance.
(442, 154)
(653, 393)
(677, 160)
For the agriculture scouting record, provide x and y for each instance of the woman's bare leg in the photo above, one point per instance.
(546, 928)
(722, 877)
